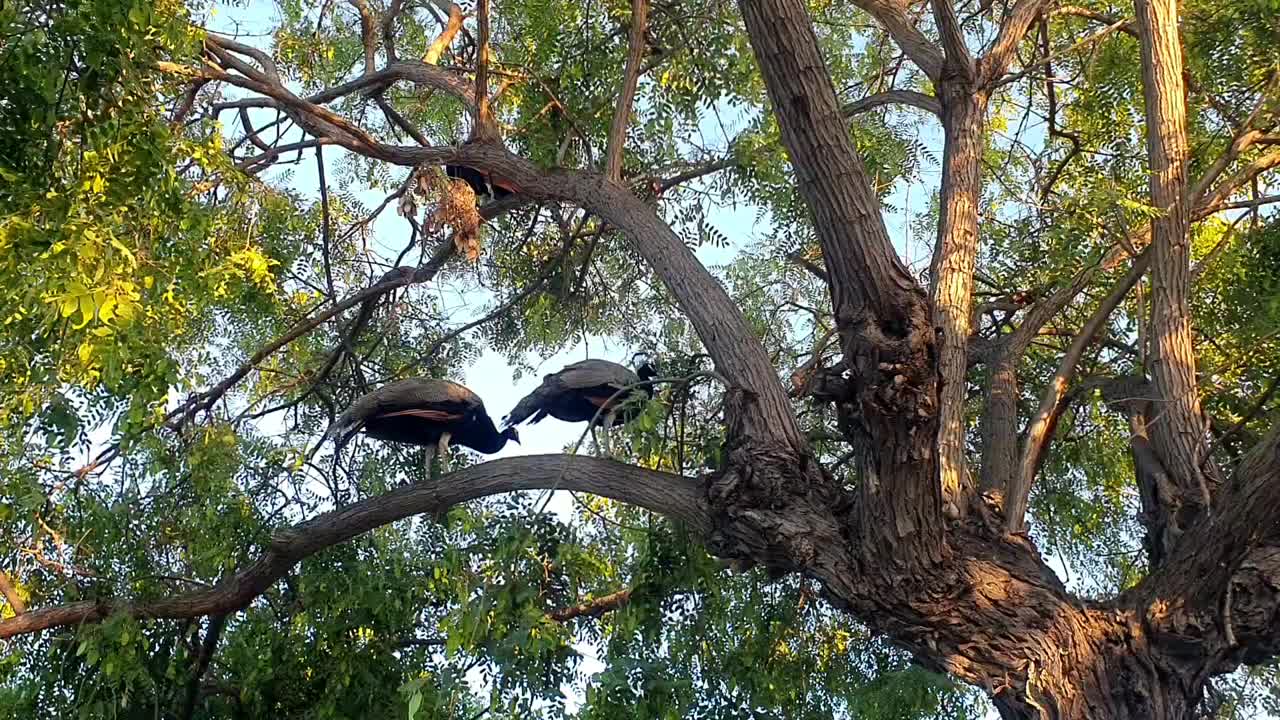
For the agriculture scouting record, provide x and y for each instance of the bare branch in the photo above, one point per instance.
(420, 274)
(220, 45)
(1130, 28)
(1254, 411)
(389, 29)
(1217, 199)
(326, 230)
(1038, 434)
(207, 649)
(631, 76)
(484, 128)
(958, 59)
(445, 38)
(892, 16)
(400, 121)
(367, 37)
(1000, 420)
(592, 608)
(928, 103)
(672, 495)
(11, 594)
(1014, 28)
(1050, 57)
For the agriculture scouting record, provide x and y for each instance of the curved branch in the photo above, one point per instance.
(675, 496)
(997, 60)
(451, 28)
(928, 103)
(765, 412)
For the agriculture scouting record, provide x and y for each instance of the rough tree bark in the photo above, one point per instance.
(964, 108)
(881, 313)
(1180, 431)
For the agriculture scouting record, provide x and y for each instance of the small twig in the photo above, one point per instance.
(325, 232)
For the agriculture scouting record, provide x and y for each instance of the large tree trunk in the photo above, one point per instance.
(881, 312)
(1180, 431)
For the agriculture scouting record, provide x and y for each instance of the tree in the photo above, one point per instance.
(940, 437)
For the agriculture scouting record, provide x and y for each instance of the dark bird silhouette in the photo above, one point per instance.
(584, 391)
(424, 411)
(483, 184)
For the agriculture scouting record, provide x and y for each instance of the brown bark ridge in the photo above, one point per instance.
(630, 77)
(964, 110)
(881, 313)
(1180, 430)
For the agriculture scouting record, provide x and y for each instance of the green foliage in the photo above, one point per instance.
(144, 258)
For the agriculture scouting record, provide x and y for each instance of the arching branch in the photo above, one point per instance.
(928, 103)
(677, 497)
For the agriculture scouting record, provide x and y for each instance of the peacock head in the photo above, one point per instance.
(645, 367)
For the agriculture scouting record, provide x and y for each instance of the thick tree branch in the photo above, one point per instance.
(1180, 431)
(928, 103)
(368, 39)
(678, 497)
(485, 127)
(445, 38)
(892, 16)
(630, 77)
(1014, 28)
(955, 255)
(883, 318)
(1219, 589)
(958, 61)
